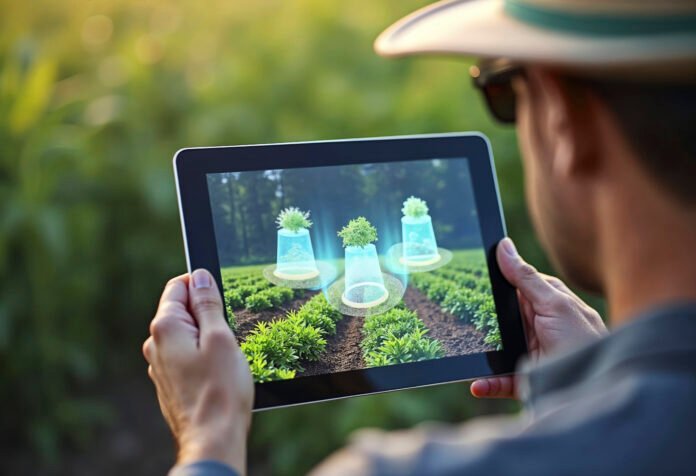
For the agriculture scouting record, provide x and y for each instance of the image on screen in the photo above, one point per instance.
(337, 268)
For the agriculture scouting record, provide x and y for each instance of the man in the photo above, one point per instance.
(604, 98)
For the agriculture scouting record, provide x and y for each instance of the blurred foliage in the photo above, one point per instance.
(95, 98)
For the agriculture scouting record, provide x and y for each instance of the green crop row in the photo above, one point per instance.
(235, 296)
(237, 290)
(269, 298)
(465, 297)
(395, 337)
(236, 280)
(275, 350)
(467, 279)
(478, 270)
(254, 293)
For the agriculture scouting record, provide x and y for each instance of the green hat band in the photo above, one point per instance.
(600, 24)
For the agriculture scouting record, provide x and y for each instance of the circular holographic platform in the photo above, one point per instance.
(397, 263)
(315, 279)
(339, 298)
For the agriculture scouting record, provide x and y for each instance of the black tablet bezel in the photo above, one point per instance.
(193, 164)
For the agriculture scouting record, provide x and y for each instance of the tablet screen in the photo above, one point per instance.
(337, 268)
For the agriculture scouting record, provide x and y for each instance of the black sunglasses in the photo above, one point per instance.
(494, 79)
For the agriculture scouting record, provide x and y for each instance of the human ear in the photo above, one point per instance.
(566, 121)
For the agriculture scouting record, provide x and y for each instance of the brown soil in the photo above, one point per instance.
(342, 350)
(456, 336)
(247, 320)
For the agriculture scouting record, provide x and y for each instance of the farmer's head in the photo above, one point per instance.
(603, 94)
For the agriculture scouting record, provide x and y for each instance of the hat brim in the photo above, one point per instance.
(481, 28)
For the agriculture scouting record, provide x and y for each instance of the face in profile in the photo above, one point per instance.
(558, 200)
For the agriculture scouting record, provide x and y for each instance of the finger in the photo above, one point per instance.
(527, 309)
(149, 350)
(206, 304)
(173, 329)
(176, 291)
(558, 284)
(523, 275)
(495, 387)
(528, 321)
(174, 333)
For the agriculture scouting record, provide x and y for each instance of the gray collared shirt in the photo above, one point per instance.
(624, 405)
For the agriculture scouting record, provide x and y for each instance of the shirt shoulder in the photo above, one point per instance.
(633, 425)
(203, 468)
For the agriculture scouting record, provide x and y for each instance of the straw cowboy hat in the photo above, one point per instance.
(638, 38)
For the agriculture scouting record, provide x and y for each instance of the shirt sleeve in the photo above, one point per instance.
(616, 426)
(428, 449)
(203, 468)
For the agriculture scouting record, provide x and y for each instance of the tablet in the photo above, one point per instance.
(355, 266)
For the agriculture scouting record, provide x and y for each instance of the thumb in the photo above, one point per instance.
(521, 274)
(205, 301)
(494, 387)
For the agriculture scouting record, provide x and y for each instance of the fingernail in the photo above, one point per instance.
(201, 279)
(481, 387)
(509, 247)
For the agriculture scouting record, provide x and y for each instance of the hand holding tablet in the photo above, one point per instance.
(353, 267)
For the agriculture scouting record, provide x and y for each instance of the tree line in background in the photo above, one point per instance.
(245, 205)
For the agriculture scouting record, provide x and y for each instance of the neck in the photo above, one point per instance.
(647, 247)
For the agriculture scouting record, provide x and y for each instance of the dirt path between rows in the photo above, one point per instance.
(247, 320)
(457, 337)
(342, 350)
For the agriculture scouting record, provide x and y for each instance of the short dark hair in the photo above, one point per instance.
(659, 121)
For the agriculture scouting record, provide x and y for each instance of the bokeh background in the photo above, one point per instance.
(95, 98)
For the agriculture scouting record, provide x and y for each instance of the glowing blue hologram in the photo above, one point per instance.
(364, 285)
(295, 265)
(395, 287)
(394, 261)
(419, 245)
(327, 275)
(418, 251)
(364, 290)
(295, 257)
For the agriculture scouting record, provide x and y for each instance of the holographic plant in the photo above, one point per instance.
(295, 255)
(419, 244)
(364, 283)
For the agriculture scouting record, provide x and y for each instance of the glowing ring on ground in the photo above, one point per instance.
(296, 277)
(325, 275)
(396, 263)
(365, 305)
(421, 263)
(395, 292)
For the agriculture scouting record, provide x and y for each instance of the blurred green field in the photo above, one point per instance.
(95, 98)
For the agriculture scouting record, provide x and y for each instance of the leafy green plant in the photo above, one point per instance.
(308, 340)
(414, 207)
(273, 343)
(268, 298)
(233, 299)
(395, 337)
(412, 347)
(316, 319)
(258, 302)
(262, 372)
(358, 232)
(282, 344)
(464, 292)
(293, 219)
